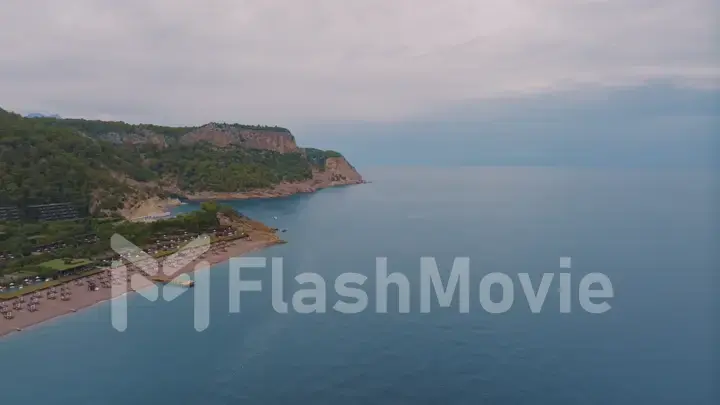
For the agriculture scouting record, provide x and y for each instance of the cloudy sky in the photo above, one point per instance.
(280, 61)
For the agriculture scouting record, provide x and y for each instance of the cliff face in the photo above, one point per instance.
(341, 171)
(227, 135)
(330, 169)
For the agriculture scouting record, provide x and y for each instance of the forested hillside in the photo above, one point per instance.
(44, 164)
(47, 160)
(201, 167)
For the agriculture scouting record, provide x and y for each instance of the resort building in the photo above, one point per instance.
(52, 212)
(9, 214)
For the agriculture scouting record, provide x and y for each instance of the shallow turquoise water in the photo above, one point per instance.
(652, 233)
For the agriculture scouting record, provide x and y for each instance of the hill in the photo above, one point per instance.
(107, 168)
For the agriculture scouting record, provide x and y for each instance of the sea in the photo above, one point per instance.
(652, 233)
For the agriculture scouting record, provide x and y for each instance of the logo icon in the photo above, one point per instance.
(144, 269)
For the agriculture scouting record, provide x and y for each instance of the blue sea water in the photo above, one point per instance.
(651, 232)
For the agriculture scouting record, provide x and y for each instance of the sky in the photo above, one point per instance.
(653, 125)
(295, 62)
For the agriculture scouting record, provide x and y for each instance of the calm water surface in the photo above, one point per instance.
(652, 233)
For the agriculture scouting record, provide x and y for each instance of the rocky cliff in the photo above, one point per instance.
(329, 168)
(340, 170)
(224, 135)
(217, 134)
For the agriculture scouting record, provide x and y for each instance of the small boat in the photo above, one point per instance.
(183, 283)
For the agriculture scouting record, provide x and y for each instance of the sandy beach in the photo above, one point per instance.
(81, 296)
(151, 208)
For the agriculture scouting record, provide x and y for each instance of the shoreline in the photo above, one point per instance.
(279, 191)
(163, 209)
(83, 298)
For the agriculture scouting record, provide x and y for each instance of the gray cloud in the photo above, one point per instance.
(284, 61)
